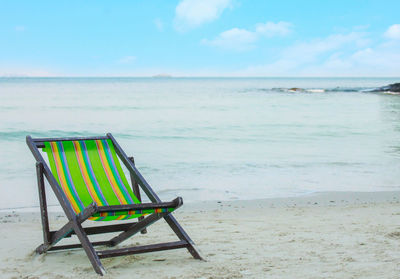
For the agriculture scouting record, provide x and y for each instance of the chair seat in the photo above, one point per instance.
(89, 171)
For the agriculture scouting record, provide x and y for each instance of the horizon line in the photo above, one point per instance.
(172, 77)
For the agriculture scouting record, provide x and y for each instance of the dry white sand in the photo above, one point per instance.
(327, 235)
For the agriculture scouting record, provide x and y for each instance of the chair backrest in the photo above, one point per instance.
(89, 171)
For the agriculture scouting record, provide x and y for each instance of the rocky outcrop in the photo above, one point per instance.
(395, 87)
(294, 89)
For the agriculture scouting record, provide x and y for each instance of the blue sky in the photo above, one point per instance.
(200, 38)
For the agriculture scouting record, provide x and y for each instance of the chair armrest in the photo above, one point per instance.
(126, 207)
(87, 212)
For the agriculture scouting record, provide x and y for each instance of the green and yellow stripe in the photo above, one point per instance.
(89, 171)
(64, 176)
(112, 174)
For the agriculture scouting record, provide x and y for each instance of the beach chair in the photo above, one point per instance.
(86, 177)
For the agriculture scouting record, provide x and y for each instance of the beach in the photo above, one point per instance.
(323, 235)
(271, 135)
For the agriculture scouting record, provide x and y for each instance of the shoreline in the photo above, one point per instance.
(323, 235)
(316, 198)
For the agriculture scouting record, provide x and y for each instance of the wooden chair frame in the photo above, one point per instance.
(74, 225)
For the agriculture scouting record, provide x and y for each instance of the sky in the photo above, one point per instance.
(309, 38)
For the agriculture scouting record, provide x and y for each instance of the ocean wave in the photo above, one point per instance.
(21, 134)
(312, 90)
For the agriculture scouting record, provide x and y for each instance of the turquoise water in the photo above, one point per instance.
(209, 139)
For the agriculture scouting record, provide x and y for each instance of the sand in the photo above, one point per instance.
(325, 235)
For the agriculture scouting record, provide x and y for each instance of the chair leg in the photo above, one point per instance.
(182, 235)
(85, 242)
(66, 229)
(88, 247)
(55, 238)
(43, 204)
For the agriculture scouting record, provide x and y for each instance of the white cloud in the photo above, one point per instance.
(235, 39)
(393, 32)
(193, 13)
(242, 39)
(159, 24)
(349, 54)
(271, 29)
(127, 59)
(309, 51)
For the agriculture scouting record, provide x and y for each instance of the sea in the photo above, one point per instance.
(212, 138)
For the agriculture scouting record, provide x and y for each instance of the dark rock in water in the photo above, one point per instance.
(395, 87)
(296, 89)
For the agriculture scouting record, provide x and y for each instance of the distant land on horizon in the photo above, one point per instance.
(162, 76)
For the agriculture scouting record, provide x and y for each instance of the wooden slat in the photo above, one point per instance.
(75, 246)
(43, 203)
(103, 229)
(39, 142)
(142, 249)
(141, 206)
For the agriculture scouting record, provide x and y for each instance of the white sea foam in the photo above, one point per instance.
(316, 90)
